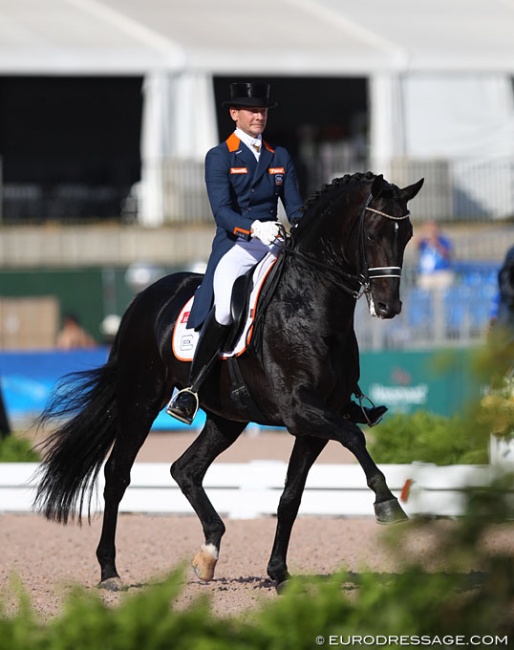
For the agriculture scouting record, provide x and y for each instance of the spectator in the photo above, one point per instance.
(502, 312)
(73, 336)
(435, 262)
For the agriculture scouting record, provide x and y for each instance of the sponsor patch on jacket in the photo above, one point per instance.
(278, 174)
(239, 170)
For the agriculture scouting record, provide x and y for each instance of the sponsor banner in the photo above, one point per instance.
(438, 381)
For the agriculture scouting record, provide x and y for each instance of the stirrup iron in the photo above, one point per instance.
(170, 408)
(361, 397)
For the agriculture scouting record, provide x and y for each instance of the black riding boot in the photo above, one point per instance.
(361, 414)
(184, 404)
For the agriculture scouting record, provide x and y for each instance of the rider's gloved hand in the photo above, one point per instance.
(266, 231)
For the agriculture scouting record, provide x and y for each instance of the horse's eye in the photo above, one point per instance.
(370, 237)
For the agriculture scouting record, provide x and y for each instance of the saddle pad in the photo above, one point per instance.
(184, 340)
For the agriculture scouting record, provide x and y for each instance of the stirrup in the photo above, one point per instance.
(361, 397)
(185, 418)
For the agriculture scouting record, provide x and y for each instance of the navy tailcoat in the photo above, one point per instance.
(241, 191)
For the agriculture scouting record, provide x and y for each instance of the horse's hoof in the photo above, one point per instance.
(282, 586)
(204, 562)
(112, 584)
(389, 512)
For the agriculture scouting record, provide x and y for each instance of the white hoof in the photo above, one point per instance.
(204, 562)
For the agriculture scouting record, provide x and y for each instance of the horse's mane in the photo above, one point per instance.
(322, 199)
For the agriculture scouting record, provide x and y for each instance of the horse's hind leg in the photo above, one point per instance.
(189, 471)
(132, 432)
(305, 451)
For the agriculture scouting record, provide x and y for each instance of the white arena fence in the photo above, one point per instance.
(250, 490)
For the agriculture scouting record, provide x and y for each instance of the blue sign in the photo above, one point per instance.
(28, 378)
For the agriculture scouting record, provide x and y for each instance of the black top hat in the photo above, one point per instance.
(251, 95)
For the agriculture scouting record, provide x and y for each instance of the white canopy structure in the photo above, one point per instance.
(302, 37)
(440, 71)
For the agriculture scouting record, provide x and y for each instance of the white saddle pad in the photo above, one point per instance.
(184, 340)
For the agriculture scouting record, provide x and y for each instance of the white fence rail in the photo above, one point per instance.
(249, 490)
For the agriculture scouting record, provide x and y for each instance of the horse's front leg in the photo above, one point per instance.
(305, 451)
(387, 508)
(189, 471)
(310, 415)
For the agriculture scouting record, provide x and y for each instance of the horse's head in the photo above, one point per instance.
(354, 234)
(384, 229)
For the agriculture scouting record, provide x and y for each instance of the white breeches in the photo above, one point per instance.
(241, 257)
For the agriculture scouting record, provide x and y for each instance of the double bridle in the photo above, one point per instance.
(362, 281)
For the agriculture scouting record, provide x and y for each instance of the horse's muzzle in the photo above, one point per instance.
(384, 309)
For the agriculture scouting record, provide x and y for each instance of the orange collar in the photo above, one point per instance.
(233, 143)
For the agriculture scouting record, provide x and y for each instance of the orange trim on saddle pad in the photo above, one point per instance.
(183, 340)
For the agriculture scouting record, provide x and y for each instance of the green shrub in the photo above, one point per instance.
(428, 438)
(14, 449)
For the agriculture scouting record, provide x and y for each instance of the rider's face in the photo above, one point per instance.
(250, 120)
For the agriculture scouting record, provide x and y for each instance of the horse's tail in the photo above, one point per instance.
(85, 405)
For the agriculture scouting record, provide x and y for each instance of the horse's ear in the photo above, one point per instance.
(410, 191)
(377, 186)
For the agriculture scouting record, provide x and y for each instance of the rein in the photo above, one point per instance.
(335, 275)
(338, 276)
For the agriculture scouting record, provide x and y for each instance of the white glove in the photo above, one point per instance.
(266, 231)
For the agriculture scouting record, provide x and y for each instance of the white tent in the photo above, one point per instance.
(302, 37)
(440, 70)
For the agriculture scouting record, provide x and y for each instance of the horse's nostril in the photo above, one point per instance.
(388, 310)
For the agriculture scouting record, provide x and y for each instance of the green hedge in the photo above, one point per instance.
(428, 438)
(367, 609)
(14, 449)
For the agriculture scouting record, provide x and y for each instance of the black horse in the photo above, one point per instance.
(301, 373)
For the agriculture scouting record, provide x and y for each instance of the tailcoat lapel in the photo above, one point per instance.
(247, 158)
(264, 161)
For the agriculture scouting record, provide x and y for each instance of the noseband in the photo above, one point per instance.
(371, 273)
(366, 274)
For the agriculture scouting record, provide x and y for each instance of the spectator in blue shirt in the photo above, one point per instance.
(435, 262)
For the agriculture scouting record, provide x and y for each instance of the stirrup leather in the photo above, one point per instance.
(170, 407)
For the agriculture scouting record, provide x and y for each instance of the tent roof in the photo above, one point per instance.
(293, 37)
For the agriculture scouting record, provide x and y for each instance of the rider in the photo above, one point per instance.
(245, 176)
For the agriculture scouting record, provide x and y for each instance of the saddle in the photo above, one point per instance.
(247, 292)
(240, 306)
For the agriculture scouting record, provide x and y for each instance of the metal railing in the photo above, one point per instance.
(457, 190)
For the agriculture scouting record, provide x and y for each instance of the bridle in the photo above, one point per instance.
(371, 273)
(362, 281)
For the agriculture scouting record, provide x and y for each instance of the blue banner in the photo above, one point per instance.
(28, 378)
(406, 381)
